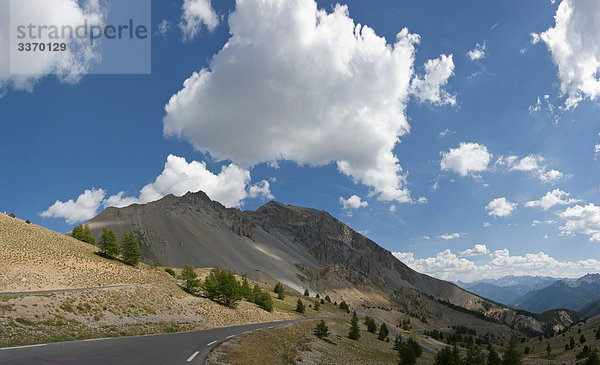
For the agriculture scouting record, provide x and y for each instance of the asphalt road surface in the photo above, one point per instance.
(176, 348)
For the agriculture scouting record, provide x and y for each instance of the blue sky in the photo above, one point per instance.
(482, 136)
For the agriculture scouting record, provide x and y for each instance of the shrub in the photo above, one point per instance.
(12, 215)
(265, 301)
(170, 271)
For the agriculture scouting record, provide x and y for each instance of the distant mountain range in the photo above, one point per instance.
(508, 288)
(541, 293)
(571, 294)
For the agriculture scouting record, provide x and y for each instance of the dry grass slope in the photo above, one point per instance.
(33, 258)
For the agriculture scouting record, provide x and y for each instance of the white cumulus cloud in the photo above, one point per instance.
(574, 42)
(478, 52)
(533, 164)
(582, 219)
(467, 159)
(231, 186)
(353, 202)
(477, 250)
(447, 265)
(430, 86)
(552, 198)
(84, 208)
(298, 83)
(500, 207)
(195, 14)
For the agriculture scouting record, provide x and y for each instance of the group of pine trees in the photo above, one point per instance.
(83, 233)
(128, 248)
(450, 355)
(222, 287)
(408, 351)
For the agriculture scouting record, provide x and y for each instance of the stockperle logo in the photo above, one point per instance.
(75, 37)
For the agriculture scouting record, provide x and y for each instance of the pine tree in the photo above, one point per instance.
(108, 243)
(265, 301)
(246, 291)
(582, 339)
(321, 330)
(383, 332)
(279, 291)
(190, 279)
(354, 333)
(327, 299)
(448, 356)
(344, 306)
(300, 307)
(222, 287)
(317, 306)
(255, 293)
(548, 349)
(593, 359)
(598, 334)
(475, 356)
(87, 235)
(512, 356)
(572, 343)
(77, 232)
(130, 249)
(371, 325)
(493, 358)
(306, 293)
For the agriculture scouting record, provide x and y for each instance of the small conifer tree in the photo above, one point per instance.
(354, 333)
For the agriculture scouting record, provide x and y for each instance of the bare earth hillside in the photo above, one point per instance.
(34, 258)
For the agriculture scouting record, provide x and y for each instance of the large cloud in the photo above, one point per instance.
(298, 83)
(467, 159)
(230, 187)
(449, 266)
(69, 66)
(582, 219)
(195, 14)
(574, 42)
(552, 198)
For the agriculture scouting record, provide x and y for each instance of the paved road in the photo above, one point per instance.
(177, 348)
